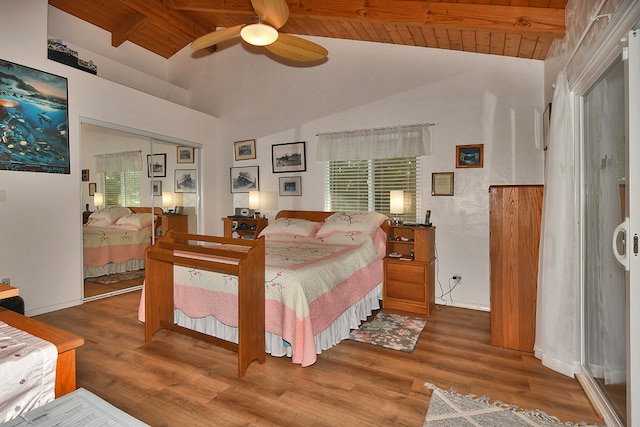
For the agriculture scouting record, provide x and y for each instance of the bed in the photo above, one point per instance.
(322, 278)
(115, 239)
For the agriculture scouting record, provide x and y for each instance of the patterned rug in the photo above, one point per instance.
(448, 408)
(117, 277)
(392, 331)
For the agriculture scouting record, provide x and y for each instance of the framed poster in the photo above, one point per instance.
(289, 157)
(185, 154)
(34, 120)
(244, 150)
(186, 181)
(442, 184)
(157, 165)
(469, 156)
(244, 179)
(156, 188)
(291, 186)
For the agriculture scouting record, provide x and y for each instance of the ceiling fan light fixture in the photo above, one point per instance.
(259, 34)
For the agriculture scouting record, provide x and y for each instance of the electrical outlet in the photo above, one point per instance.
(6, 281)
(457, 277)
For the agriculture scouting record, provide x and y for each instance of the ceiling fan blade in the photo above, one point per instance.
(216, 37)
(275, 12)
(297, 49)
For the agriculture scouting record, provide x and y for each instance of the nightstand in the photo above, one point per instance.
(409, 269)
(177, 223)
(245, 228)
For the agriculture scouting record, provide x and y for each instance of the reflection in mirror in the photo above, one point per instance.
(127, 175)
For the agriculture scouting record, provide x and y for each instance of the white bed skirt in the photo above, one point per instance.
(112, 268)
(274, 344)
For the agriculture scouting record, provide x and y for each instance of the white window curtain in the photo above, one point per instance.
(557, 342)
(377, 143)
(119, 162)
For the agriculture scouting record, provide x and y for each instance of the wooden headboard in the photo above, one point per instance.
(141, 209)
(317, 216)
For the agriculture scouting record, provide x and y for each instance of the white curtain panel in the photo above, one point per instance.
(557, 342)
(378, 143)
(119, 162)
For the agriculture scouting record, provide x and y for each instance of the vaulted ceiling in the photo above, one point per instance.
(517, 28)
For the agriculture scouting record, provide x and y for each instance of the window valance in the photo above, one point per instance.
(119, 162)
(377, 143)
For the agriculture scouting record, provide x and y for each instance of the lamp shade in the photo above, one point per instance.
(259, 34)
(396, 201)
(98, 200)
(167, 199)
(254, 200)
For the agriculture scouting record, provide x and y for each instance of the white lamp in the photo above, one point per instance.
(167, 200)
(259, 34)
(254, 200)
(98, 200)
(396, 204)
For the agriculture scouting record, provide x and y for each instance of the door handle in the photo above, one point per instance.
(622, 258)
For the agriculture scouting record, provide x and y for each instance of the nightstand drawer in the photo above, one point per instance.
(405, 271)
(414, 292)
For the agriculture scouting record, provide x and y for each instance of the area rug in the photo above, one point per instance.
(117, 277)
(448, 408)
(392, 331)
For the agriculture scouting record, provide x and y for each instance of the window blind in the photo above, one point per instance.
(121, 188)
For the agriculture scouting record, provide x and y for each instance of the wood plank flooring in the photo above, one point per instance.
(176, 381)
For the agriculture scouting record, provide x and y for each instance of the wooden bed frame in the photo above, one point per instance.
(65, 342)
(158, 212)
(246, 262)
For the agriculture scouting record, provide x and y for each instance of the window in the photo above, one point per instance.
(121, 188)
(364, 185)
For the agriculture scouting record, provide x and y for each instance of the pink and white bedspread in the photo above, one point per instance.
(113, 244)
(309, 283)
(28, 372)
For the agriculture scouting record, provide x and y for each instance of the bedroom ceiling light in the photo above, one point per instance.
(98, 200)
(396, 205)
(259, 34)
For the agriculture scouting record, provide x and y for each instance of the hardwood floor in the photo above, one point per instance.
(175, 380)
(93, 289)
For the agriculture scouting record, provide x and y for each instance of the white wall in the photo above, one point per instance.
(40, 223)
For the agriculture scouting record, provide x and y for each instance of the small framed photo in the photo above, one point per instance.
(291, 186)
(244, 179)
(156, 188)
(92, 189)
(157, 165)
(185, 154)
(85, 175)
(245, 150)
(442, 184)
(289, 157)
(186, 181)
(469, 156)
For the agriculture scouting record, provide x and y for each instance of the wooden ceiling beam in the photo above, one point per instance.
(532, 21)
(122, 33)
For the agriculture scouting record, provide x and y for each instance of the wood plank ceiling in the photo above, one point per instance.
(517, 28)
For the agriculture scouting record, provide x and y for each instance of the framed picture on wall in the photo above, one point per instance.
(157, 165)
(92, 189)
(289, 157)
(442, 184)
(85, 175)
(185, 154)
(156, 188)
(290, 186)
(244, 150)
(470, 156)
(186, 181)
(244, 179)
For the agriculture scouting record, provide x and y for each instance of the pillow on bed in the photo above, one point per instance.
(108, 216)
(137, 220)
(351, 222)
(291, 227)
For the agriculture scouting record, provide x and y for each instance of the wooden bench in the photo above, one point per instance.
(65, 342)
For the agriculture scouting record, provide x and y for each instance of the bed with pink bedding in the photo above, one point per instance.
(323, 275)
(115, 239)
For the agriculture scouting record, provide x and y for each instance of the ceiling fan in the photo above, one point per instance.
(262, 30)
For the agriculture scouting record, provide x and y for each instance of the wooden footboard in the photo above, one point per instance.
(65, 342)
(241, 258)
